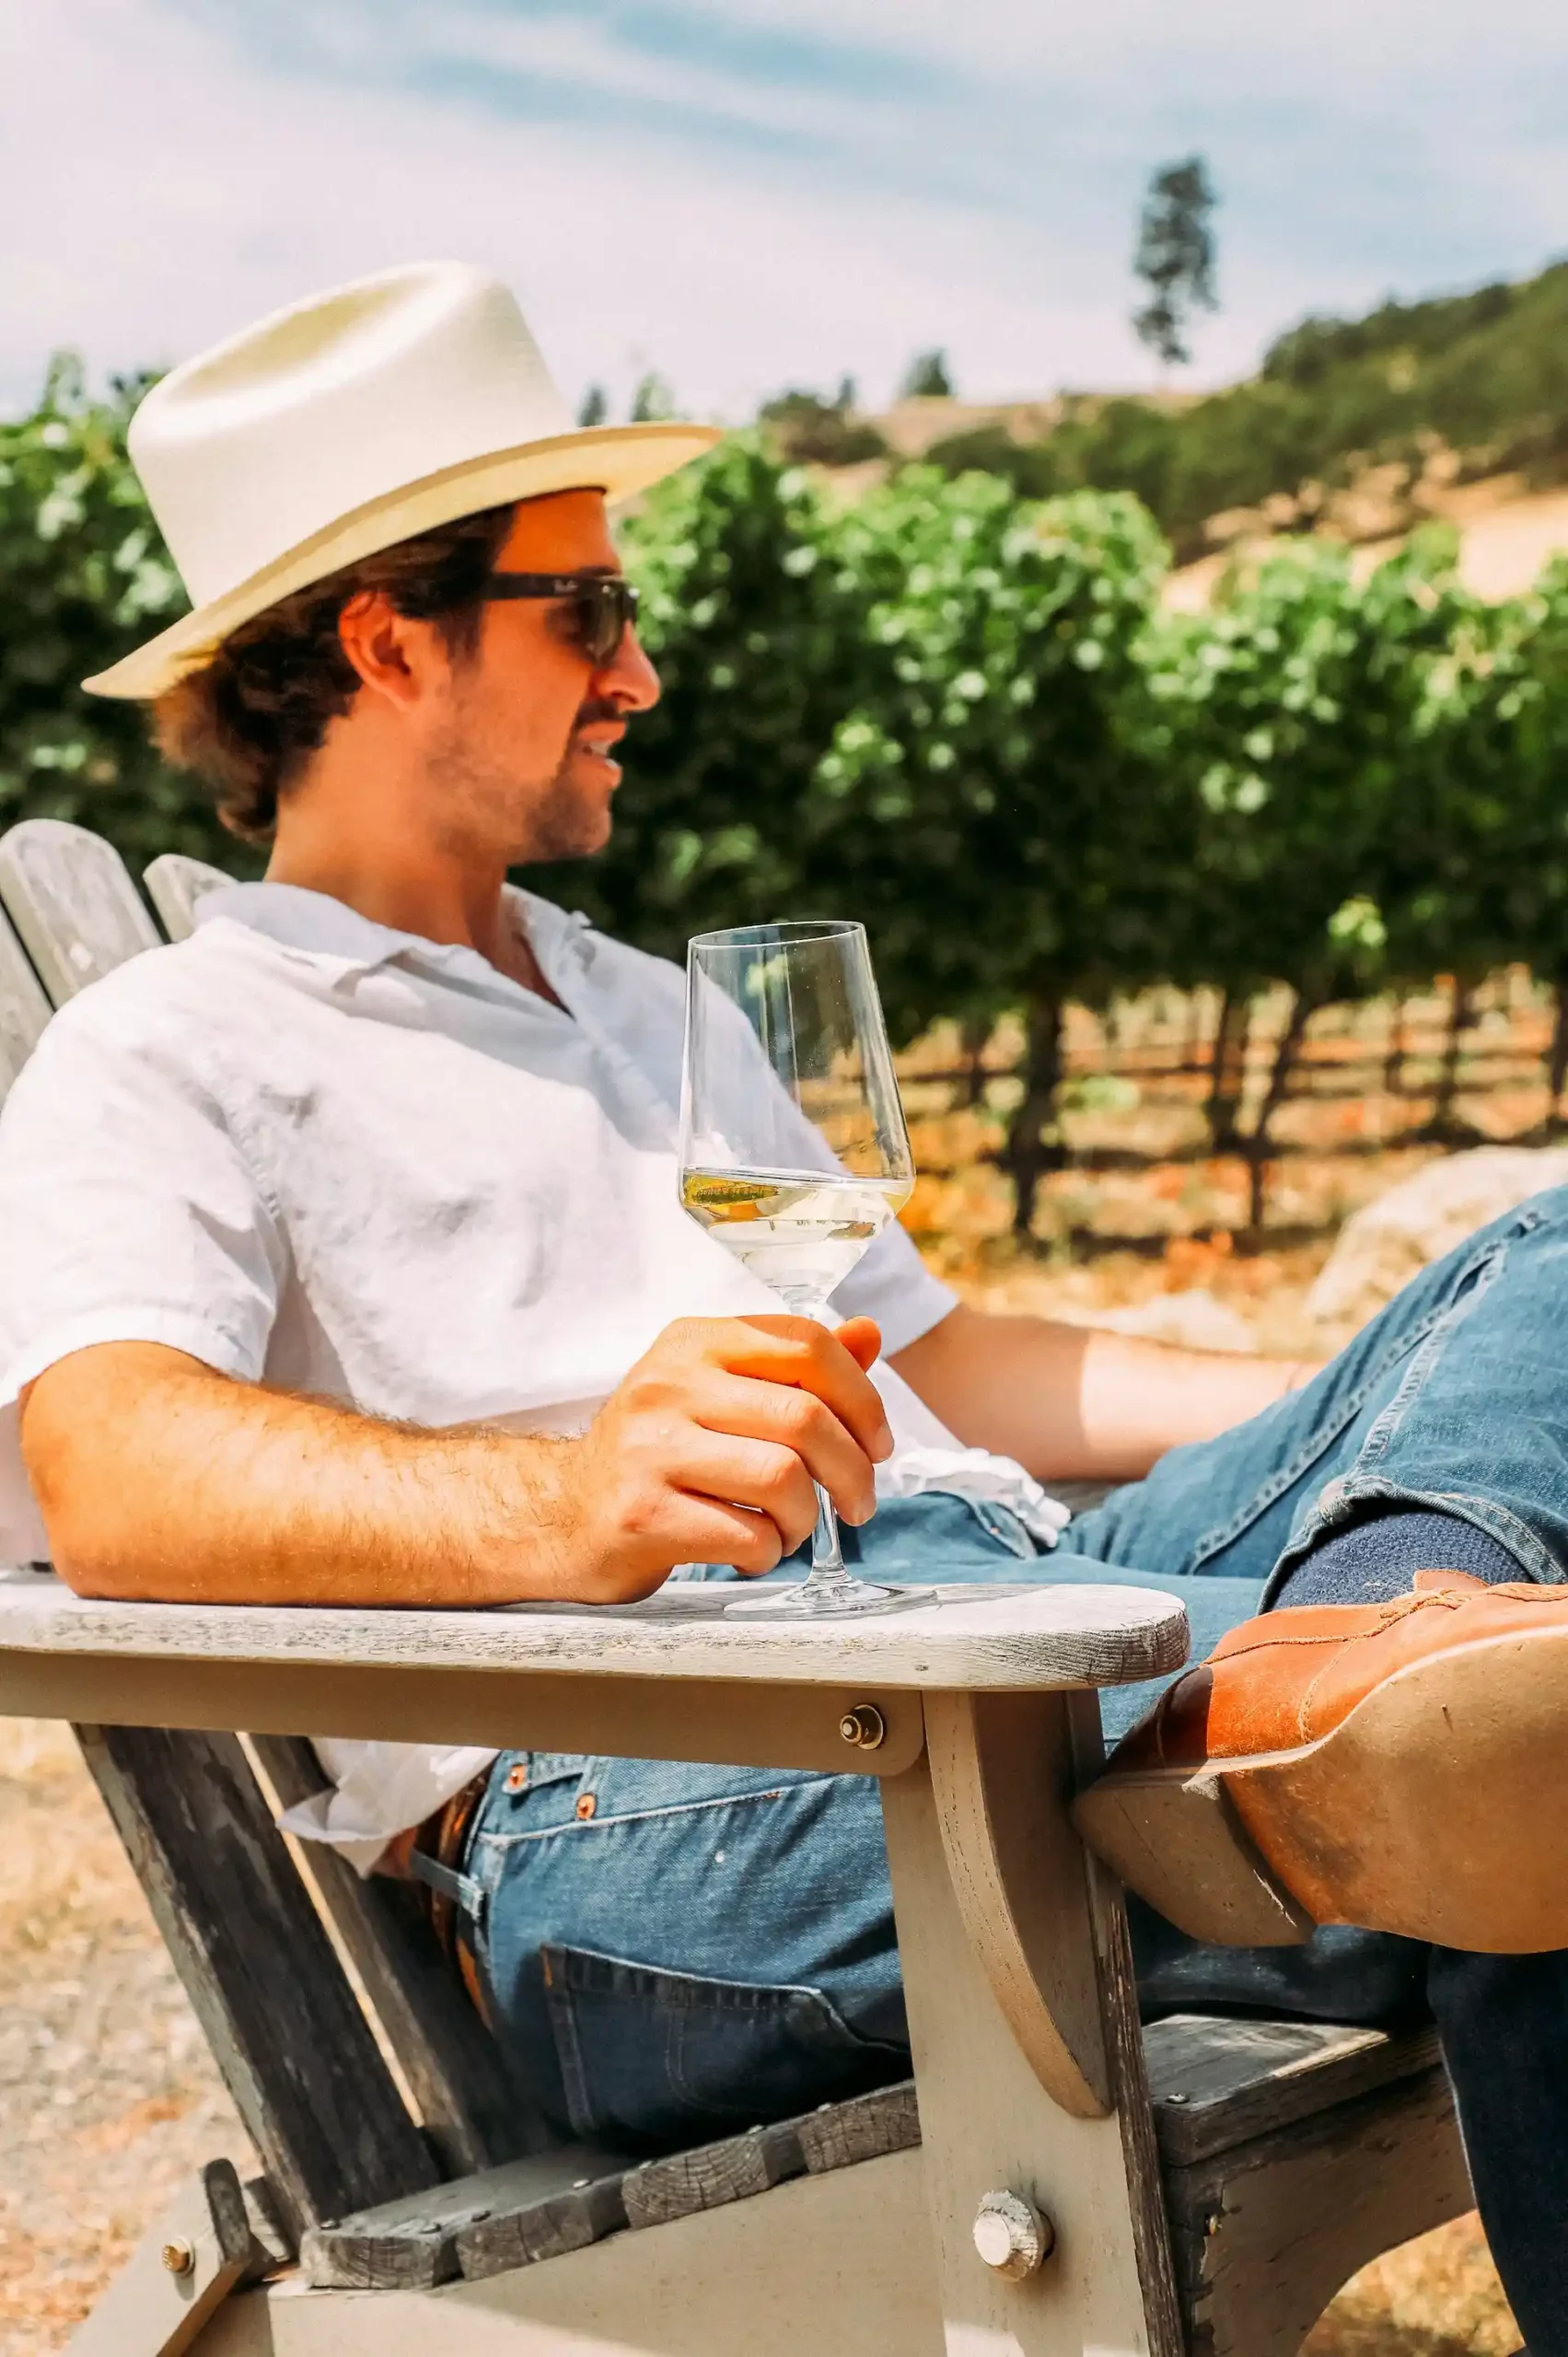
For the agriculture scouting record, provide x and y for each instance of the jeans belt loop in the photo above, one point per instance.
(460, 1890)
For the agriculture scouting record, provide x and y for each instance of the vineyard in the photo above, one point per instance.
(1112, 847)
(1196, 930)
(1160, 1105)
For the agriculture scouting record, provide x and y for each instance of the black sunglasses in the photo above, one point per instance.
(604, 605)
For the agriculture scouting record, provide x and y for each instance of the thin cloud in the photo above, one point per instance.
(749, 192)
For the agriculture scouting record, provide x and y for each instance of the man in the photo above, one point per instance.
(341, 1263)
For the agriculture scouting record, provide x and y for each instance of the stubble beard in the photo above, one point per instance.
(564, 823)
(480, 800)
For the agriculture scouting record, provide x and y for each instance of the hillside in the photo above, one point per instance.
(1366, 425)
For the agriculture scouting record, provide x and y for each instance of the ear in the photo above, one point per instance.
(395, 657)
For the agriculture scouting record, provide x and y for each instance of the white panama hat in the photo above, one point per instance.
(352, 420)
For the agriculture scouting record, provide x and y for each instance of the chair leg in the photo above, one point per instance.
(183, 2269)
(989, 1879)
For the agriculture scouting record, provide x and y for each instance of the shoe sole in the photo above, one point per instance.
(1434, 1810)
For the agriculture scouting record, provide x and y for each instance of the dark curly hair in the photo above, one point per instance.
(248, 721)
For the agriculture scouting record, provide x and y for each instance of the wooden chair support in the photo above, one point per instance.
(71, 898)
(200, 2249)
(24, 1009)
(174, 883)
(1205, 2187)
(968, 1893)
(470, 2105)
(1293, 2154)
(296, 2051)
(1002, 1772)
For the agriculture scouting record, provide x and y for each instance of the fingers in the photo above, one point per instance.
(764, 1475)
(793, 1424)
(862, 1338)
(715, 1532)
(798, 1353)
(709, 1448)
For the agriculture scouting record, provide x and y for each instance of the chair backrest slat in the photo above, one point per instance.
(174, 883)
(71, 898)
(473, 2111)
(24, 1009)
(285, 2028)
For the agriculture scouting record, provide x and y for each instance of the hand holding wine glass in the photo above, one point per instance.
(793, 1154)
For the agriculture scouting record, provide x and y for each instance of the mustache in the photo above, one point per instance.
(596, 708)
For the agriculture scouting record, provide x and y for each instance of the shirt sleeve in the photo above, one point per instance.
(128, 1213)
(892, 1283)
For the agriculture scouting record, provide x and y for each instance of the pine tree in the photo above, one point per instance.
(1175, 257)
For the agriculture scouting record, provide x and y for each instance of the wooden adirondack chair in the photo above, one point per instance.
(1051, 2182)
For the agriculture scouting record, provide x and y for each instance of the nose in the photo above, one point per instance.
(629, 677)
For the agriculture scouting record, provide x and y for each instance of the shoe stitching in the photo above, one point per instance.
(1398, 1608)
(1389, 1617)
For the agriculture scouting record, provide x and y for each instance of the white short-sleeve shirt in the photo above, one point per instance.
(308, 1149)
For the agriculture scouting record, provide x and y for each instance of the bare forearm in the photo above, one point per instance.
(228, 1494)
(1075, 1403)
(158, 1477)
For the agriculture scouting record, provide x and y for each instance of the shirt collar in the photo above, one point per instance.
(323, 927)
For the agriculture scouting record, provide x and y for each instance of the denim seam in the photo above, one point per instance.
(562, 2018)
(648, 1816)
(1411, 1339)
(738, 1996)
(709, 1991)
(1484, 1514)
(1426, 1358)
(1222, 1535)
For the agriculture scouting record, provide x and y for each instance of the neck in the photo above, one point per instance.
(357, 830)
(413, 888)
(361, 828)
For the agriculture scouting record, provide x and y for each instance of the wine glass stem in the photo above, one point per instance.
(826, 1555)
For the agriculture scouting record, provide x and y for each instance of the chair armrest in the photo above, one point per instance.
(668, 1679)
(1018, 1635)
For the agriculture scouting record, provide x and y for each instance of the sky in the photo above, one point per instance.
(747, 194)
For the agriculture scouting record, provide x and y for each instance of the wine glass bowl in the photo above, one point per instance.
(793, 1154)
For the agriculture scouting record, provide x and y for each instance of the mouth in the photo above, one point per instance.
(598, 743)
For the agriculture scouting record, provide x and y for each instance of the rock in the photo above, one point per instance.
(1389, 1241)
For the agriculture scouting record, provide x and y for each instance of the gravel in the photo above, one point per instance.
(106, 2091)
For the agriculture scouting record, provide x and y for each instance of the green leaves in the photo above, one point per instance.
(84, 577)
(958, 713)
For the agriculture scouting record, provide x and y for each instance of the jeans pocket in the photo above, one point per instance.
(652, 2059)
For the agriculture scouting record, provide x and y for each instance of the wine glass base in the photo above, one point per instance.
(802, 1601)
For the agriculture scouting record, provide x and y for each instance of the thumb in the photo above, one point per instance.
(862, 1338)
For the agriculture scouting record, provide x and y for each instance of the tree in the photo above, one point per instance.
(85, 577)
(983, 793)
(594, 407)
(1480, 860)
(754, 641)
(653, 400)
(814, 432)
(927, 378)
(1300, 713)
(1175, 257)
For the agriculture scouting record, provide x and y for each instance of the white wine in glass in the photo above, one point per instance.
(793, 1154)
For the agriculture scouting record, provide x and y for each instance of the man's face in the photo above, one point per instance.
(522, 748)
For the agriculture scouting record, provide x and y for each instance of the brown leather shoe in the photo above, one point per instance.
(1400, 1765)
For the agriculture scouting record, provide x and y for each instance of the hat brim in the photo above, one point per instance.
(620, 460)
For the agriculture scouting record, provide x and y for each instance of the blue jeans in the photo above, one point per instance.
(677, 1952)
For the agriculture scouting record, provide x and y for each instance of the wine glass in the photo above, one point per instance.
(793, 1154)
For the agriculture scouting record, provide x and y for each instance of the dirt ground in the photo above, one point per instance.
(106, 2091)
